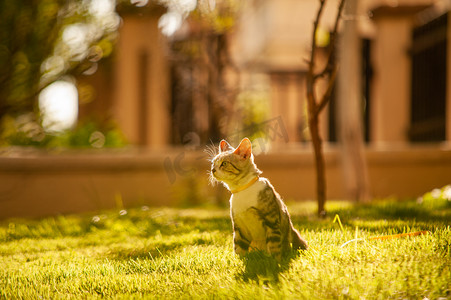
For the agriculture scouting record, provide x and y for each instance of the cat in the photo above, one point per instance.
(260, 218)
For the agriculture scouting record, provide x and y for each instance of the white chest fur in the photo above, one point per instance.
(247, 219)
(246, 199)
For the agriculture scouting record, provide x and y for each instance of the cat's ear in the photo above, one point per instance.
(224, 146)
(244, 149)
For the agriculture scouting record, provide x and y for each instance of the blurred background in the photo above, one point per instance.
(111, 103)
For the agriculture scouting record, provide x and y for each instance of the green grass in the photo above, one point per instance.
(187, 253)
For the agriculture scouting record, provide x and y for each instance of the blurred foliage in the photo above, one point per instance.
(220, 17)
(437, 197)
(205, 80)
(26, 131)
(253, 106)
(253, 111)
(28, 30)
(202, 16)
(90, 135)
(43, 40)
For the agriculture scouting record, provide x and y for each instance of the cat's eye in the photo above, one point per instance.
(224, 164)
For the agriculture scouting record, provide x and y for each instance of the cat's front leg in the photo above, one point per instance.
(274, 242)
(241, 244)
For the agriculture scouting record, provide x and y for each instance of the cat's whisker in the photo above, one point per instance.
(211, 152)
(211, 179)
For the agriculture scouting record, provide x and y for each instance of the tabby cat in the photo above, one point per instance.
(260, 219)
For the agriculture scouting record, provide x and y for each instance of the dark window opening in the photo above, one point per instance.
(428, 112)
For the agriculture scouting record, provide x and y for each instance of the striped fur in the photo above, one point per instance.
(259, 216)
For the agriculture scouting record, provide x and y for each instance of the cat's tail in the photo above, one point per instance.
(297, 241)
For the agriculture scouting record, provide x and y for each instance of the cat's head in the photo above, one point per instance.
(233, 166)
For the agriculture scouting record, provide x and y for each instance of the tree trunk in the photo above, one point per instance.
(317, 104)
(350, 109)
(319, 164)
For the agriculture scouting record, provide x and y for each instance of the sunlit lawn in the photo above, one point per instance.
(187, 253)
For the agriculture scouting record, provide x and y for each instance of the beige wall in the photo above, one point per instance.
(39, 184)
(288, 100)
(276, 34)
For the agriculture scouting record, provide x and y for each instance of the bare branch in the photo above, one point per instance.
(330, 65)
(310, 75)
(337, 20)
(314, 108)
(326, 97)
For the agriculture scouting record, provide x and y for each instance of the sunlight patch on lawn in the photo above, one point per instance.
(170, 253)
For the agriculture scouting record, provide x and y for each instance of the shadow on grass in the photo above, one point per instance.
(395, 210)
(166, 245)
(144, 252)
(387, 216)
(264, 268)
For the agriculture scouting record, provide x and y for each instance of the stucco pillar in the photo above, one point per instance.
(142, 91)
(390, 104)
